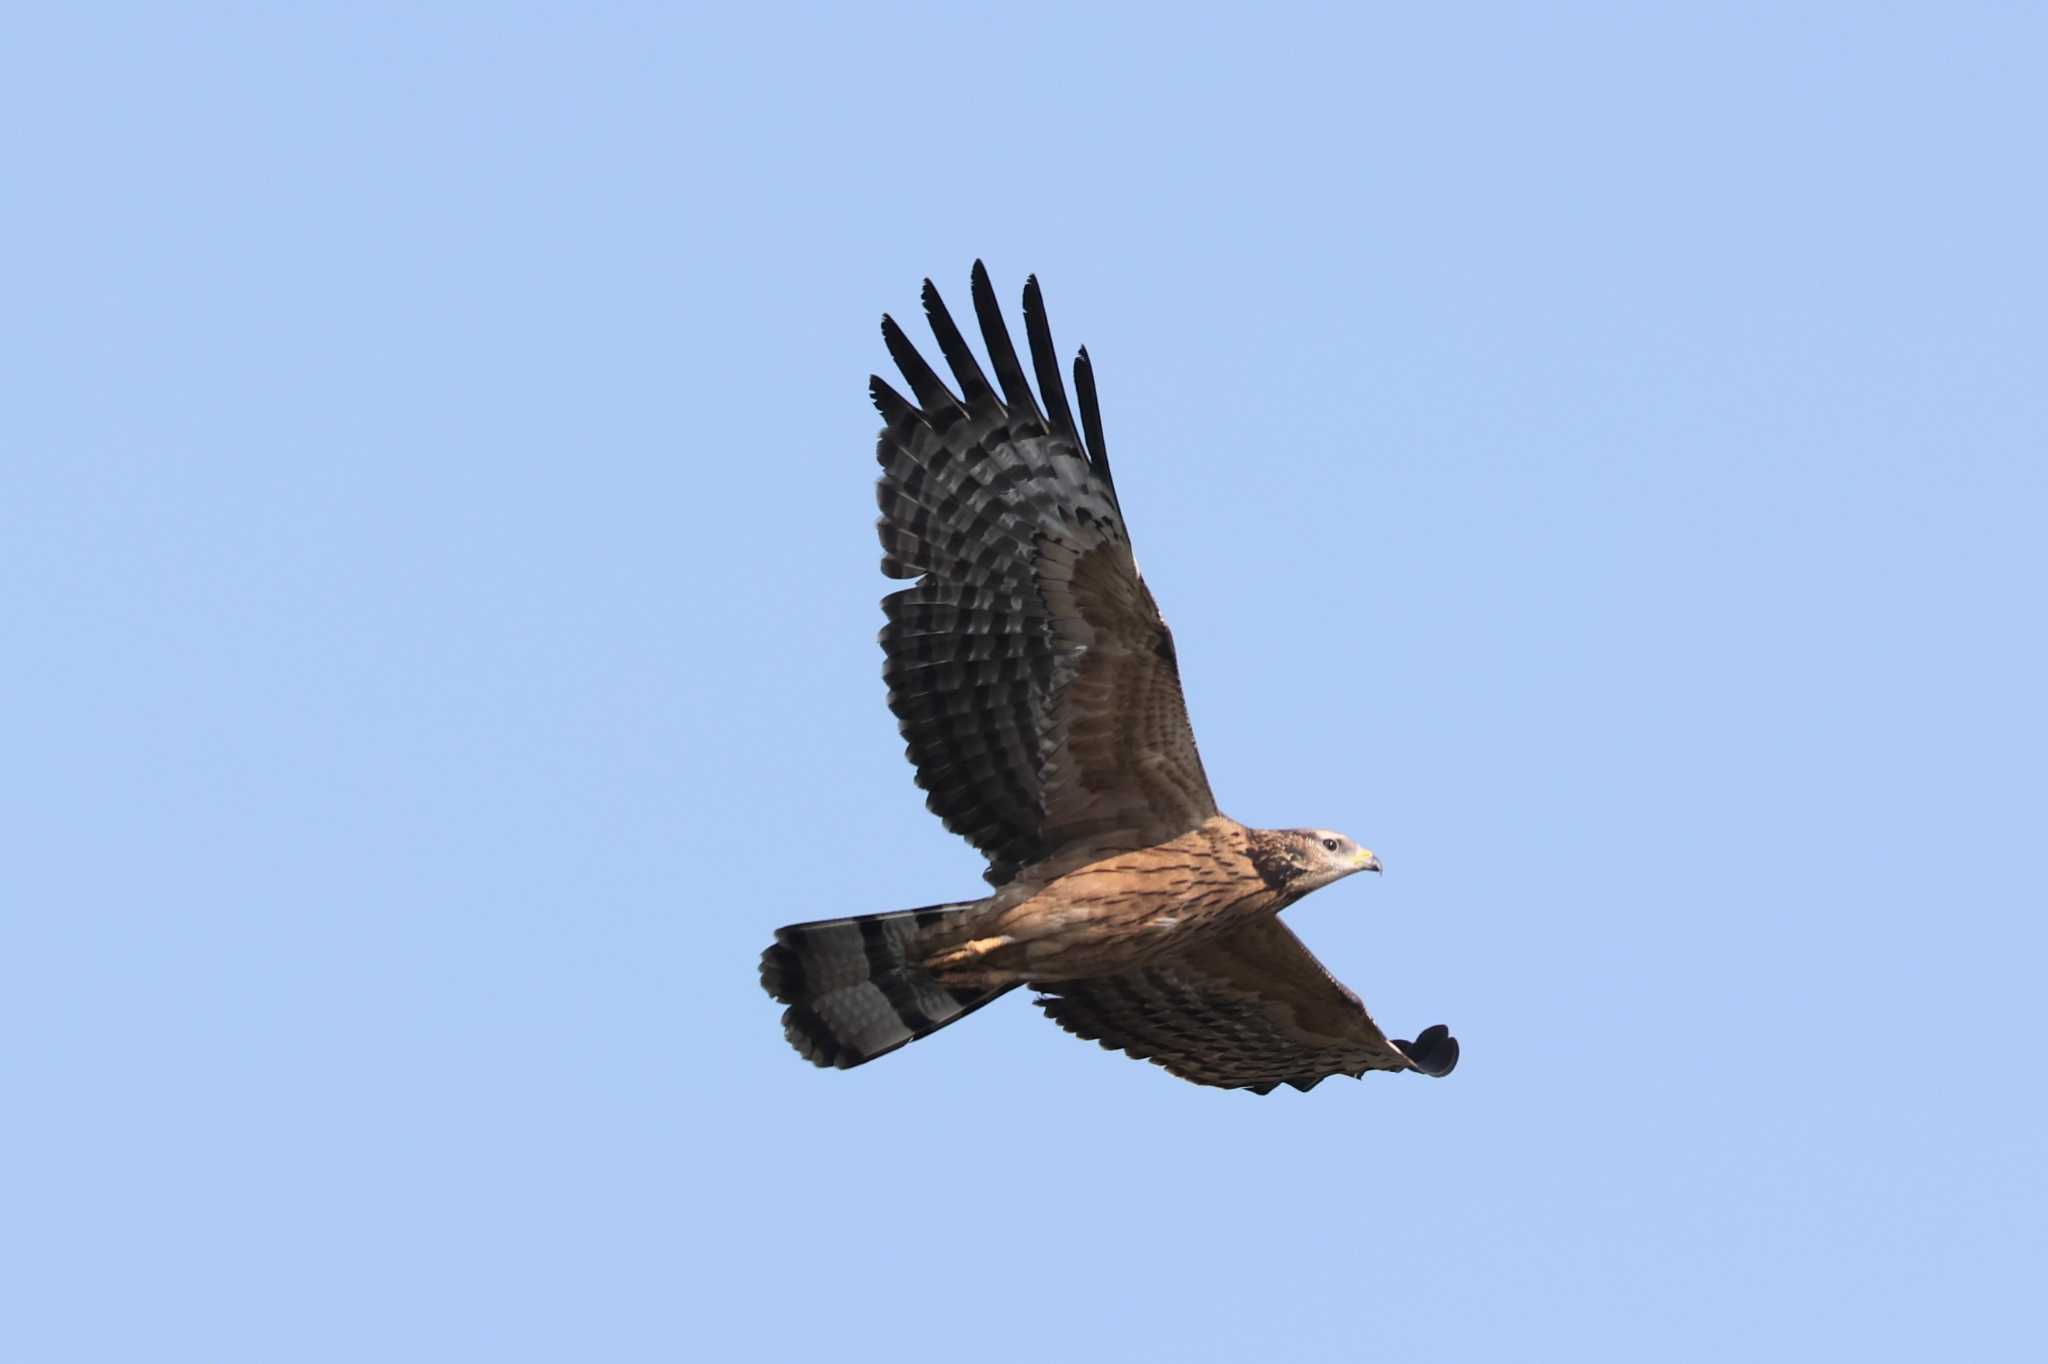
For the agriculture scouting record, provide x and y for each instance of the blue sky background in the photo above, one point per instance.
(1592, 454)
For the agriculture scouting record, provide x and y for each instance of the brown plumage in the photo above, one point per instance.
(1039, 692)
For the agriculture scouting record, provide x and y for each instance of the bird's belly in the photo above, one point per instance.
(1071, 939)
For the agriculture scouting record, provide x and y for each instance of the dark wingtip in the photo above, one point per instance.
(1091, 420)
(1433, 1052)
(894, 407)
(974, 385)
(929, 297)
(932, 394)
(1045, 359)
(1002, 353)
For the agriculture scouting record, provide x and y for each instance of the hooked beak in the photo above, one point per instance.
(1366, 861)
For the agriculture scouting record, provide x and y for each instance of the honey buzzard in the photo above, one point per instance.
(1036, 683)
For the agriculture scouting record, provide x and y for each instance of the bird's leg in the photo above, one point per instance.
(968, 954)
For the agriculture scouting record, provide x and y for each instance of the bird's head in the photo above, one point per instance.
(1303, 860)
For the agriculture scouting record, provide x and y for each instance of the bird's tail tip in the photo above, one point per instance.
(856, 987)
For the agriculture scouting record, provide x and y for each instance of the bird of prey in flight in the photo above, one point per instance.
(1037, 686)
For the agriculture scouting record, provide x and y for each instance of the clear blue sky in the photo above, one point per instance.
(1594, 456)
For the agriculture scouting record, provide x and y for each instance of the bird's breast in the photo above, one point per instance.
(1128, 910)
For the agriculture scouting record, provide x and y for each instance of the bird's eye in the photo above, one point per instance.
(1330, 843)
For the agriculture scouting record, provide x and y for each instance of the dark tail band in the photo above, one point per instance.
(855, 989)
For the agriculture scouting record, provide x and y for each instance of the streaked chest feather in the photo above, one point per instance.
(1124, 910)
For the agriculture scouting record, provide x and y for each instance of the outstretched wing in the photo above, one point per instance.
(1251, 1010)
(1028, 667)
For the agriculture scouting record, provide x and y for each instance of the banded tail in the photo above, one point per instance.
(855, 989)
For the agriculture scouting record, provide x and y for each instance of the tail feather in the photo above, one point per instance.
(855, 988)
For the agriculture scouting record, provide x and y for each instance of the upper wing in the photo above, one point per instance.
(1029, 667)
(1250, 1010)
